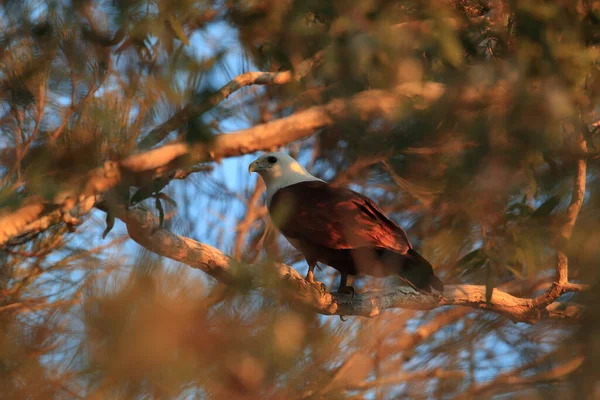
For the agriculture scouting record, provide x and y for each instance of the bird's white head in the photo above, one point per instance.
(279, 170)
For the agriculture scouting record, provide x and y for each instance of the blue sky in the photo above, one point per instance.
(233, 174)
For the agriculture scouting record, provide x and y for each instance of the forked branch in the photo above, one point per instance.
(142, 168)
(192, 110)
(218, 265)
(562, 284)
(144, 229)
(572, 213)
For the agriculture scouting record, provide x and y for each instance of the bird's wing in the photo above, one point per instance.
(334, 218)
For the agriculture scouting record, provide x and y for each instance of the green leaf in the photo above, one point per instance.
(177, 29)
(110, 222)
(161, 212)
(489, 283)
(514, 271)
(547, 207)
(141, 194)
(451, 47)
(474, 259)
(198, 132)
(520, 256)
(148, 190)
(522, 208)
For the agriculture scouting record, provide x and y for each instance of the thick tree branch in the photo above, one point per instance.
(35, 215)
(142, 228)
(562, 284)
(142, 168)
(192, 110)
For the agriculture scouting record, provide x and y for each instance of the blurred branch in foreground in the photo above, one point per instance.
(464, 120)
(139, 169)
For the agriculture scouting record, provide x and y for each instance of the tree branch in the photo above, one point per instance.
(192, 110)
(409, 341)
(143, 228)
(572, 213)
(35, 215)
(562, 284)
(404, 377)
(513, 378)
(142, 168)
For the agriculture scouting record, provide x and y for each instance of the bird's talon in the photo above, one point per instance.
(342, 318)
(310, 277)
(380, 237)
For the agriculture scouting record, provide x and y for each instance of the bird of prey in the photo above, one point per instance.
(338, 227)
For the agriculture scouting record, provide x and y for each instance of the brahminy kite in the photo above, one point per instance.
(338, 227)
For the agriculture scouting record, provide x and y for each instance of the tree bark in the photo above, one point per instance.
(143, 228)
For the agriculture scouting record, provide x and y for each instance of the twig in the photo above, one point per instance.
(571, 216)
(191, 111)
(407, 342)
(74, 107)
(253, 212)
(143, 228)
(562, 284)
(139, 169)
(511, 378)
(421, 194)
(358, 166)
(407, 377)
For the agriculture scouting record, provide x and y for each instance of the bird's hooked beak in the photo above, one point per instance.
(253, 167)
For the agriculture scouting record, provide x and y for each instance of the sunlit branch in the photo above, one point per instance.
(409, 341)
(571, 216)
(75, 106)
(254, 211)
(511, 379)
(407, 377)
(143, 228)
(192, 110)
(142, 168)
(562, 284)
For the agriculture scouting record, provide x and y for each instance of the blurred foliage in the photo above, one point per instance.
(480, 178)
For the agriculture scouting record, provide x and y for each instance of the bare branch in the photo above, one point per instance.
(407, 377)
(513, 378)
(142, 168)
(191, 111)
(562, 262)
(254, 211)
(406, 342)
(144, 229)
(571, 216)
(353, 170)
(137, 169)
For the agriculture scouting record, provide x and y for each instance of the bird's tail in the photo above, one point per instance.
(418, 272)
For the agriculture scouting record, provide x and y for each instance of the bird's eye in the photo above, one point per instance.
(272, 160)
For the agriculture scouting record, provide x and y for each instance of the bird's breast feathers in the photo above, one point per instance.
(335, 218)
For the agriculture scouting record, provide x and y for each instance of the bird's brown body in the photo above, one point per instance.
(347, 231)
